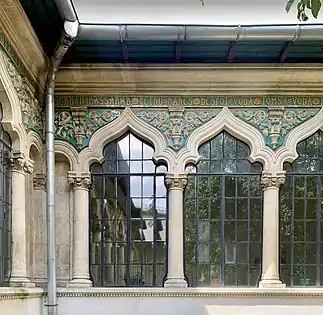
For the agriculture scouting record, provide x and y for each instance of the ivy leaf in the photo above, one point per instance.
(289, 4)
(316, 7)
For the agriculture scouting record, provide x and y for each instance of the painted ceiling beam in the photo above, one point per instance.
(232, 51)
(285, 52)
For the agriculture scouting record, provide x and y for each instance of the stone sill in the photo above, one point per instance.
(7, 293)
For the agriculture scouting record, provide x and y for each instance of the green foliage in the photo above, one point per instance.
(304, 7)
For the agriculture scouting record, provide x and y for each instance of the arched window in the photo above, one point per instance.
(223, 216)
(301, 217)
(128, 219)
(5, 206)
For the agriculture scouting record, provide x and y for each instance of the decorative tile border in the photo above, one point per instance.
(162, 293)
(177, 124)
(78, 126)
(204, 101)
(275, 124)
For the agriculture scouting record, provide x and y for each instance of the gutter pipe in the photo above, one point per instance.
(66, 40)
(141, 32)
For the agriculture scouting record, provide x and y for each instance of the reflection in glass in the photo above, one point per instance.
(223, 216)
(5, 206)
(301, 233)
(128, 218)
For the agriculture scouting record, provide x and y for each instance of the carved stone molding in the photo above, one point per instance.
(268, 181)
(176, 123)
(31, 110)
(77, 126)
(39, 181)
(82, 181)
(176, 181)
(19, 164)
(275, 123)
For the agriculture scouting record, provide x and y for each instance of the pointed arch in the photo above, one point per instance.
(11, 120)
(125, 122)
(288, 153)
(236, 127)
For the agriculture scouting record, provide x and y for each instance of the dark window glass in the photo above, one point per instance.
(128, 216)
(5, 206)
(223, 216)
(301, 227)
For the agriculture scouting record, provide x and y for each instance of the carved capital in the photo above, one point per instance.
(39, 182)
(79, 182)
(272, 181)
(176, 181)
(19, 164)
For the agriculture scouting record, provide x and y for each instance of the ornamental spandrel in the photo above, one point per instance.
(176, 124)
(78, 126)
(275, 123)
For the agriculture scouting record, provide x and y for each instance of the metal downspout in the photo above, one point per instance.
(66, 40)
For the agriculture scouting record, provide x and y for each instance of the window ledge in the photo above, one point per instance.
(10, 293)
(281, 293)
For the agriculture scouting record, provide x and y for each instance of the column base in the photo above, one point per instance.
(21, 282)
(271, 283)
(80, 283)
(175, 283)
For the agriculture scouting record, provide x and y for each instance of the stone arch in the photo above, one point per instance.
(236, 127)
(68, 151)
(11, 120)
(288, 153)
(36, 152)
(126, 121)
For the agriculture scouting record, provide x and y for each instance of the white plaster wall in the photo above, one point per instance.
(188, 306)
(63, 223)
(30, 306)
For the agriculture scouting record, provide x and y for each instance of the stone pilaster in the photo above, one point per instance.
(270, 252)
(19, 167)
(80, 268)
(175, 184)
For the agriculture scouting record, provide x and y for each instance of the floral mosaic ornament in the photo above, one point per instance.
(176, 124)
(78, 126)
(275, 123)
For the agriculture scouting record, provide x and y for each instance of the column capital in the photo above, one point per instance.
(20, 164)
(272, 180)
(79, 180)
(176, 180)
(39, 181)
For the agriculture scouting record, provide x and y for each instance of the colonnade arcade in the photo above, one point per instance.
(170, 197)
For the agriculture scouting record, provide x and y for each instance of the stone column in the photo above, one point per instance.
(19, 260)
(175, 184)
(270, 246)
(80, 268)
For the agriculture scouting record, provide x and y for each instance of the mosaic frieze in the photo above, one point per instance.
(275, 124)
(78, 126)
(177, 125)
(187, 101)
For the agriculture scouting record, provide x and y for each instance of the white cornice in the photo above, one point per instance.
(182, 79)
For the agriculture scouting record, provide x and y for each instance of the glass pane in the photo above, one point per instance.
(226, 206)
(128, 221)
